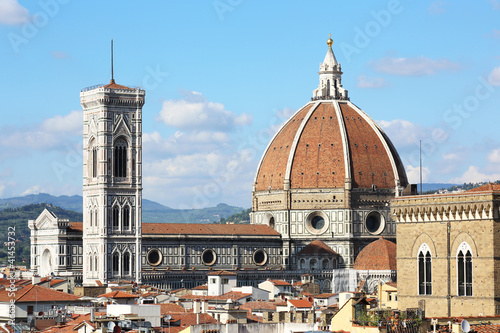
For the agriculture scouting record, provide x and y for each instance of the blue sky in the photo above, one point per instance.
(222, 75)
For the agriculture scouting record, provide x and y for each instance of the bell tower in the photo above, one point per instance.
(112, 182)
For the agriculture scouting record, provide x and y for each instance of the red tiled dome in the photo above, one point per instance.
(378, 255)
(323, 144)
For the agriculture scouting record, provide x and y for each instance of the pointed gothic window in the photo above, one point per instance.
(126, 218)
(120, 158)
(92, 159)
(464, 270)
(95, 263)
(126, 263)
(95, 218)
(116, 216)
(91, 261)
(327, 87)
(424, 270)
(116, 263)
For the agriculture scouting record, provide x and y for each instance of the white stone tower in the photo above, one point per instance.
(112, 182)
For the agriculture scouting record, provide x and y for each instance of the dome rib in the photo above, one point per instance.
(296, 141)
(345, 145)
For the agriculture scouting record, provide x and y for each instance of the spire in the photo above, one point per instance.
(330, 76)
(112, 74)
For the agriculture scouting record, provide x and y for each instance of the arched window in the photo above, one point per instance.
(116, 216)
(302, 264)
(91, 217)
(313, 264)
(271, 222)
(95, 263)
(424, 270)
(325, 264)
(464, 270)
(126, 263)
(91, 261)
(120, 159)
(116, 263)
(95, 217)
(92, 159)
(327, 87)
(126, 217)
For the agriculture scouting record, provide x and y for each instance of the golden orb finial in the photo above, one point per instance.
(329, 41)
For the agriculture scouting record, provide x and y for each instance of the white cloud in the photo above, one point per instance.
(413, 66)
(436, 8)
(403, 132)
(71, 122)
(194, 112)
(35, 189)
(366, 82)
(12, 13)
(494, 156)
(413, 174)
(494, 77)
(52, 132)
(475, 175)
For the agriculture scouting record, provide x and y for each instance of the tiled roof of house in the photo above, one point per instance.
(208, 229)
(34, 293)
(118, 294)
(17, 283)
(300, 303)
(378, 255)
(201, 287)
(324, 295)
(75, 226)
(258, 305)
(491, 187)
(188, 319)
(279, 282)
(55, 282)
(170, 307)
(317, 247)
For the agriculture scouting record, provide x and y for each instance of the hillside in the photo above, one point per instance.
(18, 218)
(151, 211)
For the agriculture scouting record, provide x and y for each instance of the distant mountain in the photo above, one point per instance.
(151, 210)
(74, 202)
(435, 186)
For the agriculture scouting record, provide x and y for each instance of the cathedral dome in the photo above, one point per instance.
(328, 143)
(378, 255)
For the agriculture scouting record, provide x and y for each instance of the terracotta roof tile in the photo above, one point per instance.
(75, 226)
(201, 287)
(317, 247)
(258, 305)
(378, 255)
(208, 229)
(32, 293)
(118, 294)
(170, 307)
(113, 85)
(324, 295)
(279, 282)
(300, 303)
(318, 160)
(491, 187)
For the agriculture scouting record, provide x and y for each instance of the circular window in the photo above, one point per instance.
(317, 223)
(374, 223)
(154, 257)
(208, 257)
(260, 257)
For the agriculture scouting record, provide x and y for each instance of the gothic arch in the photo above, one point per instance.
(423, 238)
(467, 238)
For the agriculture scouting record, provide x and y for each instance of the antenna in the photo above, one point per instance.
(421, 190)
(112, 74)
